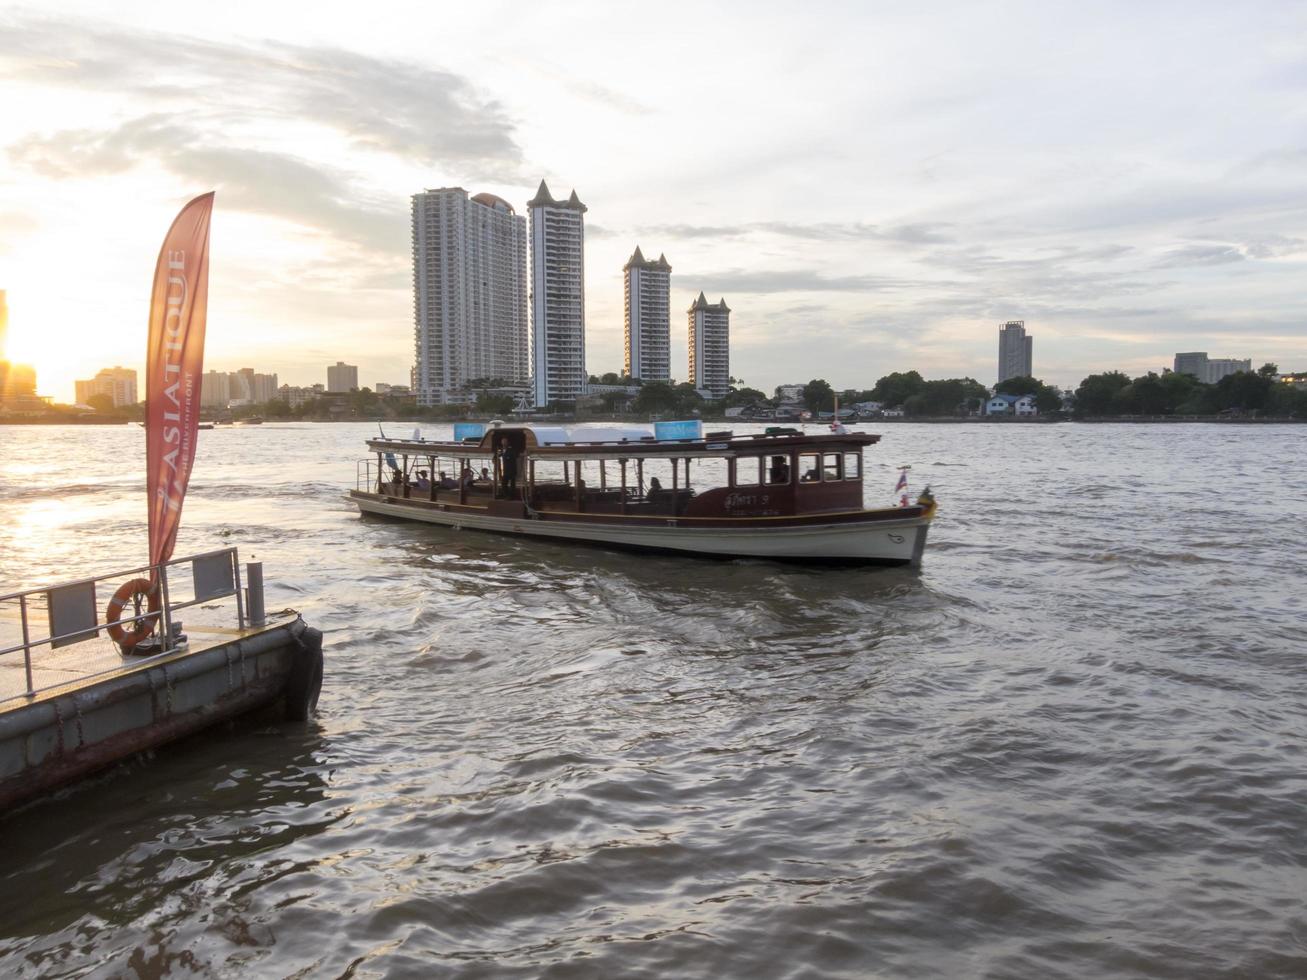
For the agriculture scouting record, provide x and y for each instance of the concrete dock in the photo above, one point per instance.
(78, 704)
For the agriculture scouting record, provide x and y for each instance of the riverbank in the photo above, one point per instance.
(717, 423)
(59, 420)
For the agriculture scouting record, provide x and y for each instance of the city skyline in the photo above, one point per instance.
(932, 196)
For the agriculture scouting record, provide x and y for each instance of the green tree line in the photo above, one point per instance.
(917, 396)
(1112, 393)
(1245, 392)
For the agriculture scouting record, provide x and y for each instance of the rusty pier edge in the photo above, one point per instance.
(66, 734)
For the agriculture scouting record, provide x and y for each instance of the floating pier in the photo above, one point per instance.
(73, 701)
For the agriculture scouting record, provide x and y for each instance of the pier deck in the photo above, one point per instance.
(72, 702)
(66, 669)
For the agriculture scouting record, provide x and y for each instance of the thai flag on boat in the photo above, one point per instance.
(903, 480)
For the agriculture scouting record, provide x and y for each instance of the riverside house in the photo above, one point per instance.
(1022, 405)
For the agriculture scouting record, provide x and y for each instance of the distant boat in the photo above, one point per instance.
(205, 425)
(252, 420)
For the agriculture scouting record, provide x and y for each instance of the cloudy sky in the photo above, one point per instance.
(871, 188)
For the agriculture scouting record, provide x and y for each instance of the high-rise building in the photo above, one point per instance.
(263, 387)
(469, 293)
(1015, 351)
(648, 318)
(557, 297)
(220, 389)
(249, 388)
(215, 389)
(118, 383)
(1210, 370)
(342, 377)
(17, 383)
(1220, 367)
(1192, 363)
(710, 354)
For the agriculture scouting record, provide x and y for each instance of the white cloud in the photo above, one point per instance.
(872, 189)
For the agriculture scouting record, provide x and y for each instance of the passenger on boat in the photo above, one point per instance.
(656, 491)
(485, 474)
(424, 483)
(507, 467)
(468, 477)
(445, 483)
(780, 469)
(812, 476)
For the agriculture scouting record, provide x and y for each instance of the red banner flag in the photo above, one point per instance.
(174, 363)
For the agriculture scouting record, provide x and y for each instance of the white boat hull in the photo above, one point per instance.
(894, 542)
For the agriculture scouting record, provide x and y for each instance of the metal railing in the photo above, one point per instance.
(364, 481)
(369, 478)
(75, 616)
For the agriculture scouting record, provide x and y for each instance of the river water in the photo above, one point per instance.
(1072, 745)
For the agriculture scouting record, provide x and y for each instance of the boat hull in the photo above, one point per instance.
(881, 541)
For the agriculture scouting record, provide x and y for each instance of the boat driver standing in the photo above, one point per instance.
(507, 468)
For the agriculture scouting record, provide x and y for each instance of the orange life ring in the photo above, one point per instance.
(127, 638)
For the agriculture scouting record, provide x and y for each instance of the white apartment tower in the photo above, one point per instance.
(648, 318)
(1015, 351)
(557, 297)
(710, 355)
(469, 293)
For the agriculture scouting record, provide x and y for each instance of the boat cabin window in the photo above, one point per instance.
(747, 470)
(656, 469)
(831, 466)
(777, 470)
(810, 468)
(549, 471)
(853, 466)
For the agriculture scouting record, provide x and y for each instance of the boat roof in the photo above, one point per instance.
(590, 441)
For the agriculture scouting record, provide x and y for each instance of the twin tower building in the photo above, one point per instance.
(470, 302)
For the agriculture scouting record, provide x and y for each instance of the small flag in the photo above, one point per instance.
(903, 480)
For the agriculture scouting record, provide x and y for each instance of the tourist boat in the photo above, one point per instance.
(782, 494)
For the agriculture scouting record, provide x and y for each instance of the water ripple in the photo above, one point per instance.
(1071, 746)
